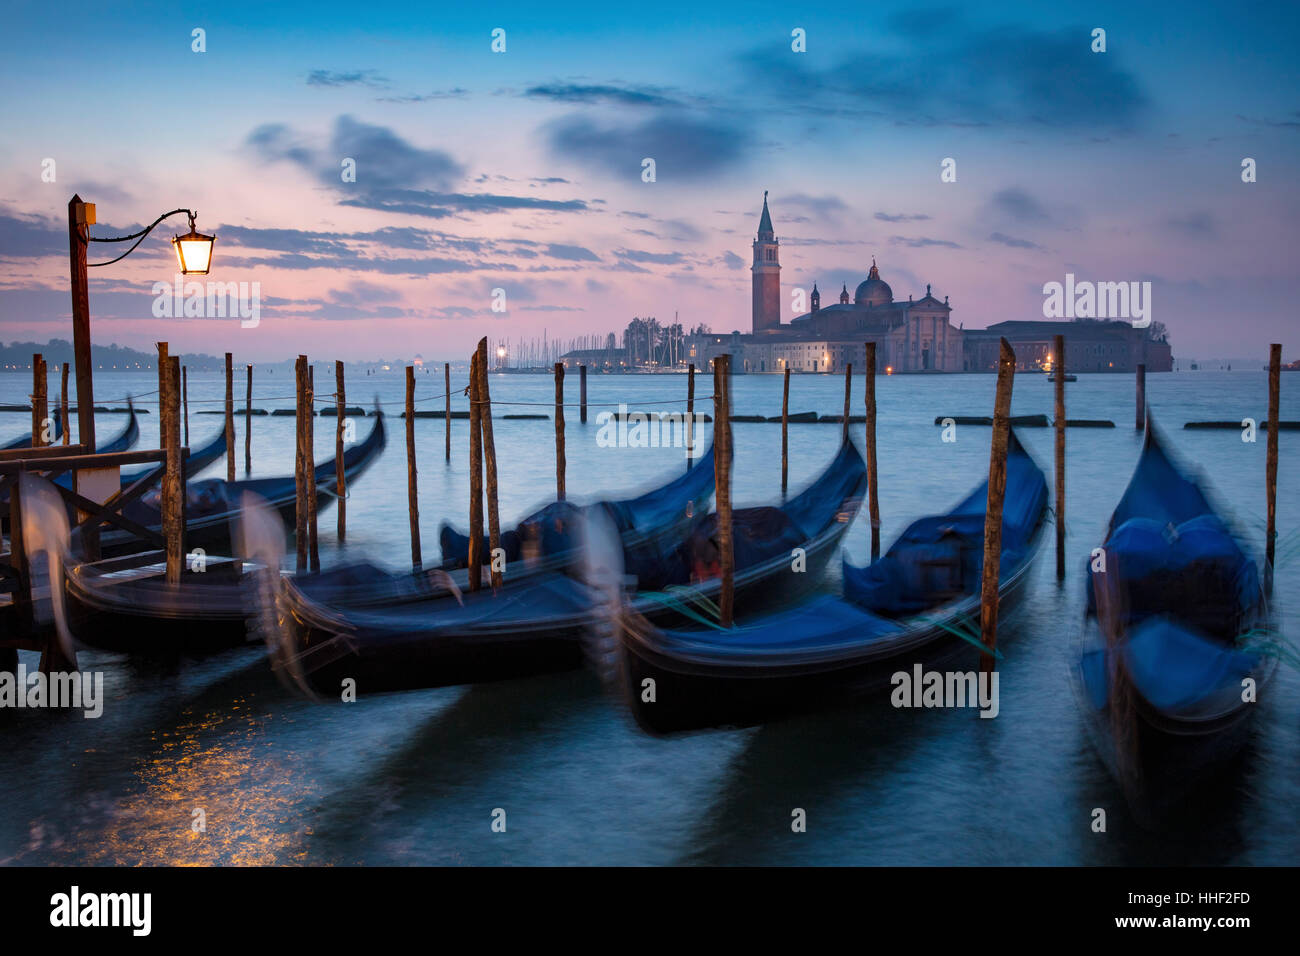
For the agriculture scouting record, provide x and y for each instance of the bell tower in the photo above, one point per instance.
(767, 274)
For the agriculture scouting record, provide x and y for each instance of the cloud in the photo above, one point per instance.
(658, 258)
(732, 260)
(901, 217)
(922, 242)
(437, 205)
(1197, 225)
(1013, 242)
(683, 148)
(352, 78)
(822, 207)
(602, 93)
(571, 253)
(1008, 76)
(454, 93)
(1019, 206)
(28, 237)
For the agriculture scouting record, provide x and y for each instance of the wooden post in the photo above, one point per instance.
(1058, 366)
(475, 479)
(785, 432)
(722, 480)
(248, 425)
(340, 473)
(185, 400)
(490, 463)
(170, 443)
(1141, 420)
(582, 394)
(78, 229)
(873, 496)
(313, 549)
(1270, 468)
(63, 406)
(40, 403)
(230, 418)
(559, 431)
(690, 415)
(412, 491)
(848, 387)
(22, 595)
(446, 371)
(993, 510)
(301, 457)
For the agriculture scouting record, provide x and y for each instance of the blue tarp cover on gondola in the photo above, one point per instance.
(1171, 665)
(942, 556)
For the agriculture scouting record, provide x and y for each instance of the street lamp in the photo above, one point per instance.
(193, 254)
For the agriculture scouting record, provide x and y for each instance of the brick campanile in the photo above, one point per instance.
(767, 275)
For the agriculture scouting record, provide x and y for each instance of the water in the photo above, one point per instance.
(414, 778)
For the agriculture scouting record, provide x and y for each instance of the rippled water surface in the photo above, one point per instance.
(414, 778)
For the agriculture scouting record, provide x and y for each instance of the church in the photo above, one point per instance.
(916, 335)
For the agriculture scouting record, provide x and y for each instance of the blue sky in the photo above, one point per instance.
(522, 170)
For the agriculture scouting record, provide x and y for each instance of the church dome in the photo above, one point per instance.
(875, 290)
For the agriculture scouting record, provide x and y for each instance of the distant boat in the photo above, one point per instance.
(1051, 377)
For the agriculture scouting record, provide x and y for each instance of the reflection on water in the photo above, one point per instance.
(414, 778)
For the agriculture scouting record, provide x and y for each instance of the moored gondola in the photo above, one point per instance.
(539, 623)
(914, 605)
(1176, 649)
(211, 504)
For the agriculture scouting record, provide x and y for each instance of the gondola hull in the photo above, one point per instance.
(697, 694)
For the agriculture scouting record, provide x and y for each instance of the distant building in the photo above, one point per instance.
(912, 336)
(1090, 346)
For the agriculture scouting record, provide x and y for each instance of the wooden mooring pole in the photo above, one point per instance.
(848, 388)
(80, 217)
(1270, 468)
(722, 480)
(1058, 366)
(248, 424)
(340, 472)
(690, 415)
(1140, 420)
(446, 371)
(475, 479)
(785, 432)
(873, 498)
(490, 463)
(301, 457)
(582, 394)
(993, 510)
(63, 405)
(170, 443)
(313, 550)
(40, 401)
(559, 431)
(412, 485)
(185, 401)
(230, 418)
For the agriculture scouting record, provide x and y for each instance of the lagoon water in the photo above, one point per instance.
(414, 778)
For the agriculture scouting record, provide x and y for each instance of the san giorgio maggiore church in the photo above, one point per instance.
(916, 335)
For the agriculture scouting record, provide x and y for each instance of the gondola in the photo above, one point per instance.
(123, 603)
(1176, 645)
(123, 441)
(539, 624)
(26, 440)
(918, 604)
(643, 523)
(211, 503)
(647, 526)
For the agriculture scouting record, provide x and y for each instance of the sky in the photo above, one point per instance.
(522, 170)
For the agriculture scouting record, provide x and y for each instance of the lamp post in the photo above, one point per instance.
(193, 255)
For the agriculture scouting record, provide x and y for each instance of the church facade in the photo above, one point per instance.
(912, 336)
